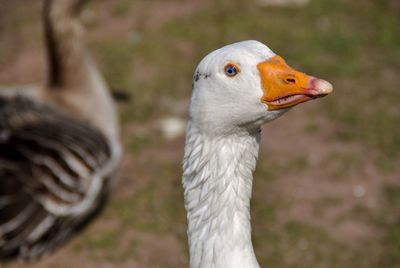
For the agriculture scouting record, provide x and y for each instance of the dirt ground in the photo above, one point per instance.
(319, 201)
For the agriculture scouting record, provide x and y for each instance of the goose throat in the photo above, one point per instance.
(218, 182)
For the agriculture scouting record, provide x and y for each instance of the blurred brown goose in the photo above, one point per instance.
(59, 145)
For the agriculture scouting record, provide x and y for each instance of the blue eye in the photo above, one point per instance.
(231, 70)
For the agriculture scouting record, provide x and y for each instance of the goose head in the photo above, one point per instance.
(244, 85)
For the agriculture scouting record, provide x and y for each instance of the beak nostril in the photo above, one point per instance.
(290, 80)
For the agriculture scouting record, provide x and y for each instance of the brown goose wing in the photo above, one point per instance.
(54, 171)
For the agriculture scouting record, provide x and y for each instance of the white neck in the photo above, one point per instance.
(217, 180)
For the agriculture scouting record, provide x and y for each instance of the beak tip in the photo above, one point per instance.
(323, 86)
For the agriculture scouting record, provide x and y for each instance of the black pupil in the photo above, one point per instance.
(231, 70)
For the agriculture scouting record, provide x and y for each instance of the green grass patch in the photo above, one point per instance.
(158, 207)
(269, 169)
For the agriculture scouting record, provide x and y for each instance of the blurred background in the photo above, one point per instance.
(327, 186)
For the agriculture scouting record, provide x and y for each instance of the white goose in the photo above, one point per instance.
(236, 89)
(59, 144)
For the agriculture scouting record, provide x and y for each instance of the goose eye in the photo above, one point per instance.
(231, 70)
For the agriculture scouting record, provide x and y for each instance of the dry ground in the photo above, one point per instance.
(327, 186)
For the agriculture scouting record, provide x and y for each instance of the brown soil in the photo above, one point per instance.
(324, 178)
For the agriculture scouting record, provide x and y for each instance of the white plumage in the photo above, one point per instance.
(226, 113)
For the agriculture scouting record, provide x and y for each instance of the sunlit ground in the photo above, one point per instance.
(327, 186)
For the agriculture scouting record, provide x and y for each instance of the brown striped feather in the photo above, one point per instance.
(54, 172)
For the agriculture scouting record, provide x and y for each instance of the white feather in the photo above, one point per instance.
(221, 149)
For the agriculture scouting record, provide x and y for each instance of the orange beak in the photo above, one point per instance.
(285, 87)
